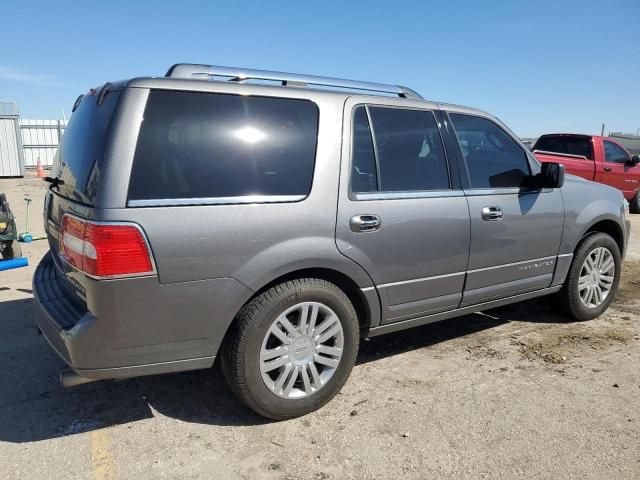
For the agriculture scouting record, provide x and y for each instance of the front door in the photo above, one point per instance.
(617, 172)
(515, 231)
(400, 215)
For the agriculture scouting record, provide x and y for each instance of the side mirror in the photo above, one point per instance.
(634, 160)
(551, 175)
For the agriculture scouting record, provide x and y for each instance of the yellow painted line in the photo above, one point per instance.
(102, 460)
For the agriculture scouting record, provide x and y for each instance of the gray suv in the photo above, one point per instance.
(272, 220)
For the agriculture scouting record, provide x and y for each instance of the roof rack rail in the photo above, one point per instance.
(189, 70)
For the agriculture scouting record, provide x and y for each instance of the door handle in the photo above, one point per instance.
(492, 214)
(364, 223)
(607, 169)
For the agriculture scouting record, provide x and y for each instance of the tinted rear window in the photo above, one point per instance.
(410, 152)
(206, 145)
(567, 145)
(79, 157)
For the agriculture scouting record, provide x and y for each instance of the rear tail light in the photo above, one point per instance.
(105, 250)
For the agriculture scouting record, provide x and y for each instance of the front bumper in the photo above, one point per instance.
(134, 327)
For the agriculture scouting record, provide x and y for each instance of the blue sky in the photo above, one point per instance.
(540, 66)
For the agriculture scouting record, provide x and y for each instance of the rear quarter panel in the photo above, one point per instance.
(253, 244)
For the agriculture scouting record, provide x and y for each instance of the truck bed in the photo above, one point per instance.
(576, 164)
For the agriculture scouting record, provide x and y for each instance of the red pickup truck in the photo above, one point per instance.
(600, 159)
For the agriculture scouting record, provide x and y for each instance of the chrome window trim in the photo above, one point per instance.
(407, 195)
(239, 200)
(496, 191)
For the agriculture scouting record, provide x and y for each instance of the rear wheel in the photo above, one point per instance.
(292, 348)
(593, 278)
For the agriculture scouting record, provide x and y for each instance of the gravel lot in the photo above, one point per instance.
(516, 392)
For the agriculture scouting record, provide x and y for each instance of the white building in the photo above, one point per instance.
(23, 142)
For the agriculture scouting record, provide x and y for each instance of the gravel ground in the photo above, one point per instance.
(513, 392)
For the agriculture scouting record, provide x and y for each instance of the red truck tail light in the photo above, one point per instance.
(105, 250)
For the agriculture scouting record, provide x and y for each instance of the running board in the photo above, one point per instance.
(416, 322)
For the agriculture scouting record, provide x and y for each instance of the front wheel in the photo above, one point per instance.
(593, 278)
(292, 348)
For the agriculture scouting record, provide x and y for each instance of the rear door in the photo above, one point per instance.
(401, 214)
(515, 230)
(617, 172)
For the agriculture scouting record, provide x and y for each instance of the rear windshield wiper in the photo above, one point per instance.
(54, 181)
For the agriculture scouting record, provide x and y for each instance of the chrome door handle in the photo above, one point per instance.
(492, 214)
(364, 223)
(607, 169)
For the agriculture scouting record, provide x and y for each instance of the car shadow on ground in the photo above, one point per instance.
(34, 407)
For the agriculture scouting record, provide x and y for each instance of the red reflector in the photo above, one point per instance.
(104, 250)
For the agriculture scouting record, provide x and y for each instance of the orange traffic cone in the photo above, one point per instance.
(39, 170)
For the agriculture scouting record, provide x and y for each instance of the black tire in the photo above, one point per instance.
(240, 352)
(569, 296)
(634, 205)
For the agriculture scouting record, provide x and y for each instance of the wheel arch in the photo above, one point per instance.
(365, 301)
(343, 281)
(609, 226)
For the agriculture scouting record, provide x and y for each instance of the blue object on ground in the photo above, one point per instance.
(25, 238)
(13, 263)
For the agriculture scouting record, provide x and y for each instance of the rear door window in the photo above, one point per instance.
(364, 176)
(218, 146)
(493, 158)
(408, 150)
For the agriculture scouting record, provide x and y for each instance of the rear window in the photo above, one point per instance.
(79, 157)
(408, 151)
(196, 145)
(567, 145)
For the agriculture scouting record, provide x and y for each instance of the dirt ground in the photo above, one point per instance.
(516, 392)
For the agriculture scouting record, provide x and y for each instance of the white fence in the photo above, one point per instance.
(40, 140)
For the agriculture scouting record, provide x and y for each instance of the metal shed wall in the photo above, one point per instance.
(11, 159)
(40, 139)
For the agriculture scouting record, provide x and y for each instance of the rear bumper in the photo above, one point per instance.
(134, 327)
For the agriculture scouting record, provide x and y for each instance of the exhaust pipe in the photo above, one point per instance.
(69, 378)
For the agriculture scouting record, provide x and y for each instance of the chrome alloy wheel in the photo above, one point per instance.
(596, 277)
(301, 350)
